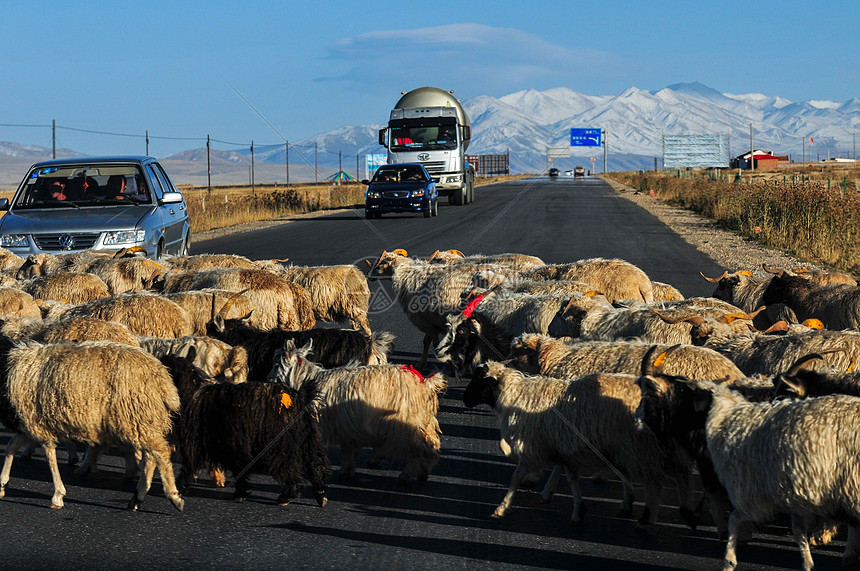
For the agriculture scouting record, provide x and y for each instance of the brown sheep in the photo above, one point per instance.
(278, 303)
(203, 305)
(97, 392)
(616, 279)
(16, 302)
(144, 313)
(69, 287)
(339, 293)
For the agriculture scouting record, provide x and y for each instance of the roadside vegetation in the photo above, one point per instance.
(228, 206)
(812, 213)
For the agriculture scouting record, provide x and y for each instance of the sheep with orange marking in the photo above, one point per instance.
(616, 279)
(510, 260)
(389, 407)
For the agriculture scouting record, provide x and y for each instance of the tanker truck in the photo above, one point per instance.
(429, 126)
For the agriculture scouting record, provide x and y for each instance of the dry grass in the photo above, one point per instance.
(231, 205)
(811, 215)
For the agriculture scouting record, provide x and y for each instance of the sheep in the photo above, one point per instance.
(837, 306)
(662, 322)
(514, 261)
(541, 354)
(339, 293)
(123, 275)
(10, 261)
(815, 275)
(427, 292)
(144, 313)
(486, 326)
(78, 262)
(234, 425)
(202, 305)
(98, 392)
(199, 262)
(16, 302)
(332, 347)
(760, 353)
(278, 303)
(70, 287)
(86, 329)
(585, 423)
(666, 292)
(390, 407)
(214, 357)
(616, 279)
(797, 457)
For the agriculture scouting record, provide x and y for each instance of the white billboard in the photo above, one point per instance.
(695, 151)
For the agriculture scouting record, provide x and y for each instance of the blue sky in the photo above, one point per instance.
(271, 69)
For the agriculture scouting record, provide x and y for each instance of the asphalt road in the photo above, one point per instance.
(371, 522)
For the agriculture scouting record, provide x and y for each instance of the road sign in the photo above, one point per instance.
(557, 152)
(585, 138)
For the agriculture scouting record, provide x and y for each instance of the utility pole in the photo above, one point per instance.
(53, 138)
(287, 160)
(316, 163)
(804, 153)
(752, 151)
(605, 147)
(147, 142)
(253, 190)
(208, 168)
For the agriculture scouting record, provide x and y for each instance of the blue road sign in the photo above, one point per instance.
(585, 137)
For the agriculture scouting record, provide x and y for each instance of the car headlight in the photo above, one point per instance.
(418, 193)
(457, 178)
(373, 194)
(14, 241)
(124, 237)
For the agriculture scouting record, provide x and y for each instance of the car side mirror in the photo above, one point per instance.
(365, 181)
(171, 198)
(4, 204)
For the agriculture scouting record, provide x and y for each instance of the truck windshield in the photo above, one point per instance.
(423, 138)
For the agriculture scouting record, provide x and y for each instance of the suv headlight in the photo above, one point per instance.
(124, 237)
(14, 241)
(457, 178)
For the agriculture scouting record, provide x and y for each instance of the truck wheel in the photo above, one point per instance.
(459, 196)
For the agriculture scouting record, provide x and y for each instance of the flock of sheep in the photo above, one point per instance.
(590, 367)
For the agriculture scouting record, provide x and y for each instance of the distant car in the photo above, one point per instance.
(568, 173)
(401, 187)
(579, 171)
(553, 171)
(98, 203)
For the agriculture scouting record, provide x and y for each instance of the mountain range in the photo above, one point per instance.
(526, 122)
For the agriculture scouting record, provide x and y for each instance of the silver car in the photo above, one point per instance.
(99, 203)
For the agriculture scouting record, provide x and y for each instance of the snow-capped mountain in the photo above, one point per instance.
(526, 122)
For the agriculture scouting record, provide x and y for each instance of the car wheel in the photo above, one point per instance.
(185, 249)
(436, 207)
(459, 196)
(429, 212)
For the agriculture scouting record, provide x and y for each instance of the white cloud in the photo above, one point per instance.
(500, 58)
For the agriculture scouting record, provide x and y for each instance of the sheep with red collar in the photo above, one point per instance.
(389, 407)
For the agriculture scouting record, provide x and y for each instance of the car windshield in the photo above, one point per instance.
(399, 174)
(74, 186)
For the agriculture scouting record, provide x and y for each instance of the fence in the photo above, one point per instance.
(244, 163)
